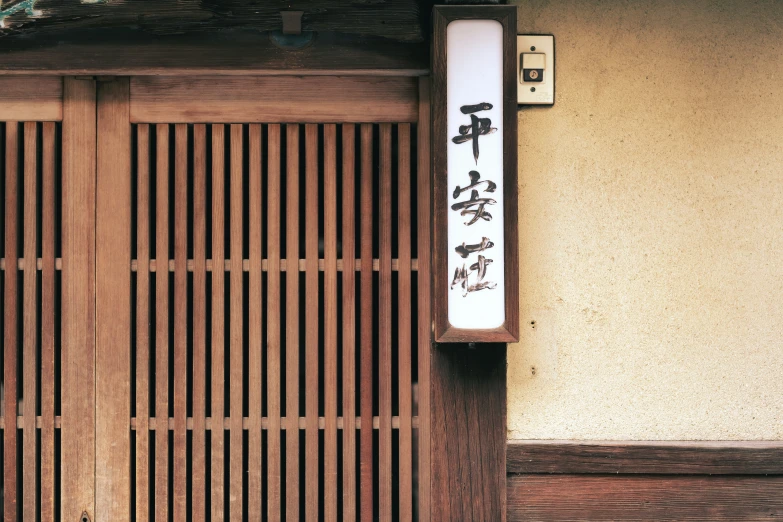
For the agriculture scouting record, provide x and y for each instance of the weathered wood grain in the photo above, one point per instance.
(649, 457)
(468, 432)
(393, 19)
(312, 322)
(181, 333)
(292, 322)
(366, 341)
(143, 322)
(644, 497)
(217, 488)
(31, 98)
(10, 318)
(161, 306)
(48, 325)
(199, 486)
(78, 300)
(228, 53)
(268, 99)
(385, 325)
(274, 339)
(349, 318)
(424, 333)
(255, 316)
(331, 362)
(29, 322)
(112, 305)
(404, 323)
(236, 349)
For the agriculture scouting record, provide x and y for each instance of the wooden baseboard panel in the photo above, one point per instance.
(644, 497)
(569, 480)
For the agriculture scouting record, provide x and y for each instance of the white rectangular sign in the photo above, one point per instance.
(474, 84)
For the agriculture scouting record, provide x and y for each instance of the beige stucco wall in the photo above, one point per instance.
(651, 224)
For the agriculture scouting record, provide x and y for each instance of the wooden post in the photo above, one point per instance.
(78, 300)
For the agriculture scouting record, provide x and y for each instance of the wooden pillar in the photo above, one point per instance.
(468, 438)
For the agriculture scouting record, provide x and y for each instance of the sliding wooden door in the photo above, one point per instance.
(262, 299)
(47, 275)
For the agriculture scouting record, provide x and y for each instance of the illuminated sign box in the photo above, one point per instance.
(475, 258)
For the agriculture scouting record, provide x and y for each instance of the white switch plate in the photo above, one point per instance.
(544, 93)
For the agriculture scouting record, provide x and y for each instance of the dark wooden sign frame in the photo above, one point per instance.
(444, 331)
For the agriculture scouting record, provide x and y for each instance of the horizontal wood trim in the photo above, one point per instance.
(31, 98)
(678, 457)
(122, 52)
(273, 99)
(644, 497)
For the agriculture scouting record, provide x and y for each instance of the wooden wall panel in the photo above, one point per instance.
(644, 497)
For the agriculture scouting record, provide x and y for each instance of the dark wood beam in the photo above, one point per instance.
(127, 52)
(662, 457)
(393, 19)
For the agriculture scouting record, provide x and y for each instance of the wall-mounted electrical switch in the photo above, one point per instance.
(536, 70)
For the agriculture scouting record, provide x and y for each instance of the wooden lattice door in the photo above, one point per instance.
(47, 274)
(263, 282)
(165, 364)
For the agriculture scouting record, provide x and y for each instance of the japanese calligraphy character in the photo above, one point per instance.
(461, 276)
(478, 127)
(465, 250)
(475, 206)
(474, 182)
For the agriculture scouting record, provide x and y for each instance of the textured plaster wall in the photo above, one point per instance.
(651, 224)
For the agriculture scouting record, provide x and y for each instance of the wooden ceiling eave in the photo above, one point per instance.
(117, 37)
(233, 53)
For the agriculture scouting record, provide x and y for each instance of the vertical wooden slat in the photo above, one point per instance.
(218, 321)
(366, 342)
(312, 323)
(255, 316)
(180, 321)
(330, 324)
(424, 221)
(199, 485)
(143, 321)
(292, 322)
(47, 325)
(384, 328)
(29, 325)
(236, 364)
(162, 326)
(404, 320)
(273, 323)
(78, 298)
(349, 323)
(112, 303)
(10, 318)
